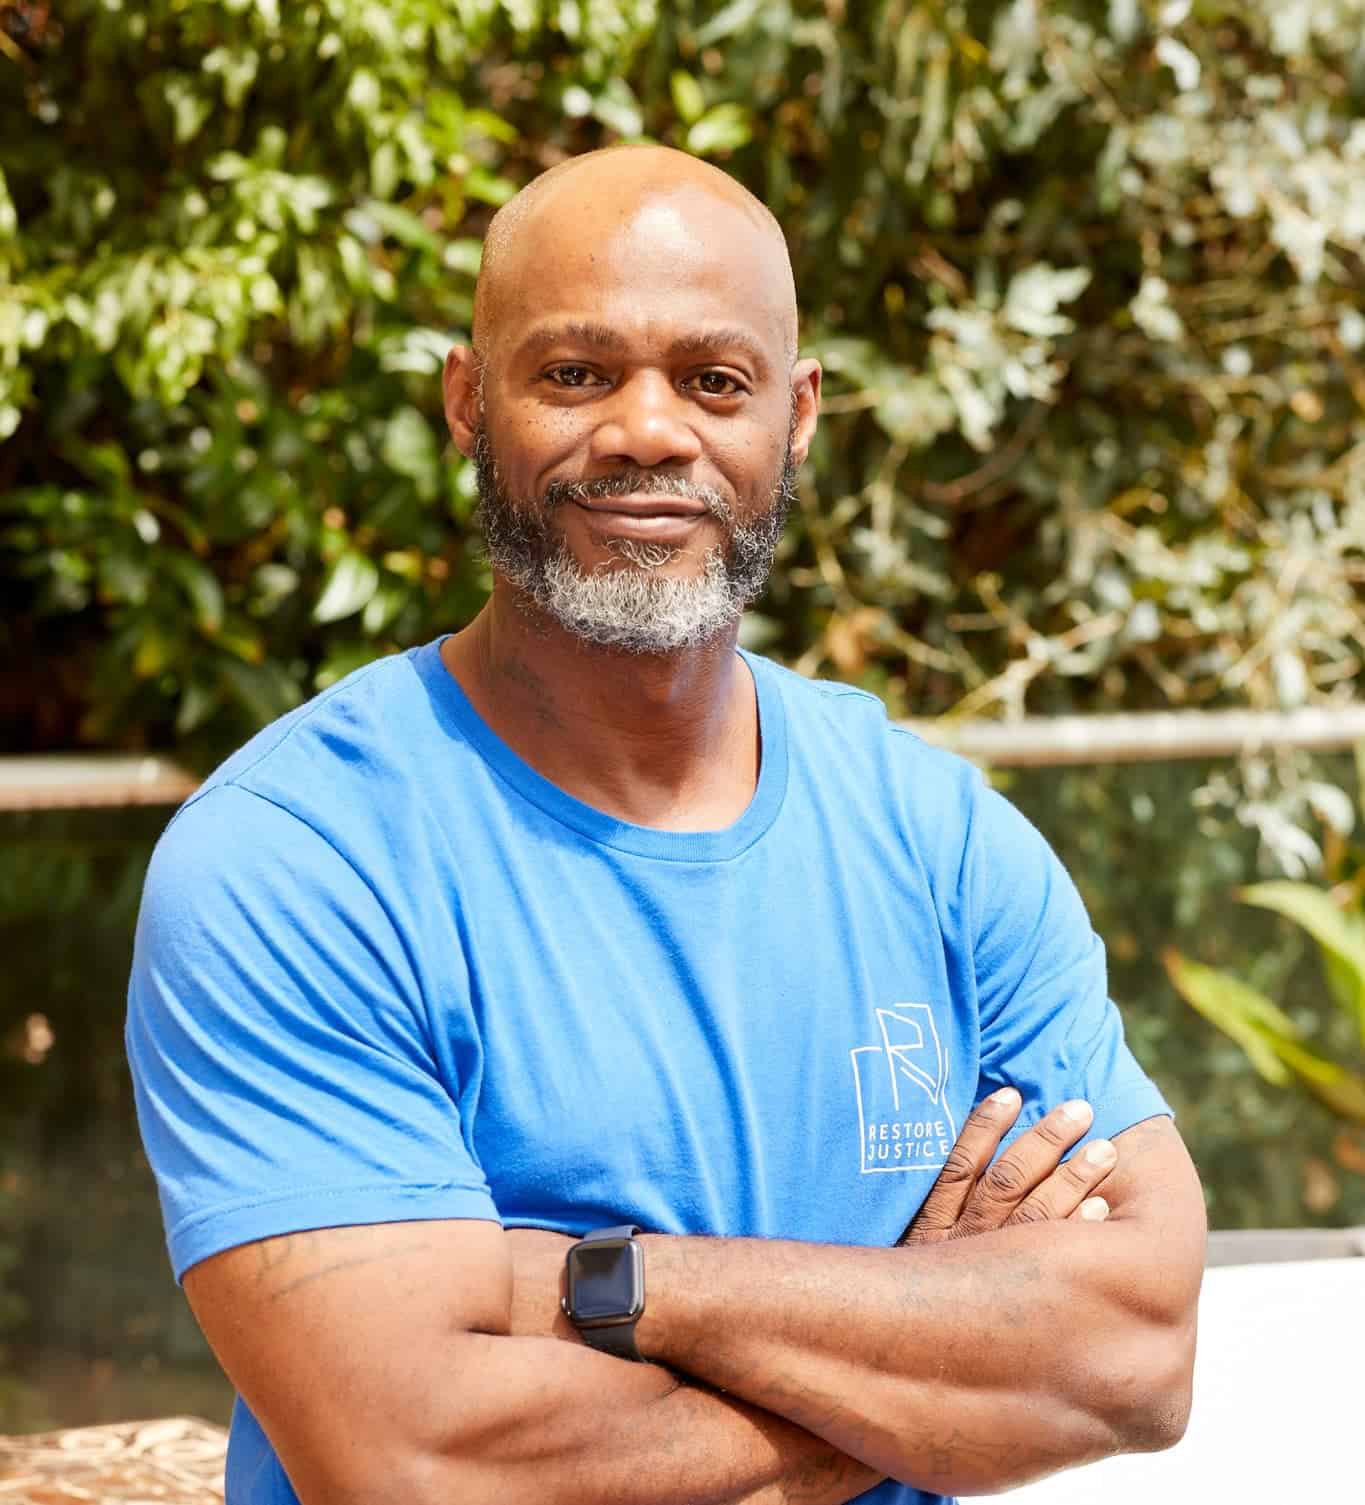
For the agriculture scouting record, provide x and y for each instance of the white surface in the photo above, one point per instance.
(1279, 1400)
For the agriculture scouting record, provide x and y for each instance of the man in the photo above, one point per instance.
(579, 922)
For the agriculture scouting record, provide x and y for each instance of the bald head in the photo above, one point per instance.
(635, 338)
(636, 193)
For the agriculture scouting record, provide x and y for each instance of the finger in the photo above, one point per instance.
(1025, 1165)
(987, 1125)
(1092, 1210)
(1064, 1191)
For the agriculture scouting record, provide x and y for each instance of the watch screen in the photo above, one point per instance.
(603, 1281)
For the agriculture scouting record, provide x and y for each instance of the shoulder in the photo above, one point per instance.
(847, 735)
(369, 713)
(313, 803)
(349, 763)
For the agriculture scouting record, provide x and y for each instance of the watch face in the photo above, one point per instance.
(606, 1281)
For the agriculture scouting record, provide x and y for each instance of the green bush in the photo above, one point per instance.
(1086, 279)
(1276, 1043)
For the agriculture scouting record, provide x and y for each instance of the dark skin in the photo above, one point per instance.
(1022, 1326)
(661, 343)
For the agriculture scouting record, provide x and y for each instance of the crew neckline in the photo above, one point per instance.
(458, 715)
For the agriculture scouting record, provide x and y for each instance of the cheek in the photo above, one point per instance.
(750, 457)
(530, 440)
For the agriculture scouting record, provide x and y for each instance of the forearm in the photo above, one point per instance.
(551, 1421)
(958, 1367)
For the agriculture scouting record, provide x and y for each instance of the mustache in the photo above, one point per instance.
(636, 483)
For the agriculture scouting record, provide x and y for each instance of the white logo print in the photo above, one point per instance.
(904, 1120)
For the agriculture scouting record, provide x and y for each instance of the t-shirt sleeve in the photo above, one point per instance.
(1048, 1026)
(280, 1049)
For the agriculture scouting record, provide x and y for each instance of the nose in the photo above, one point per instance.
(646, 422)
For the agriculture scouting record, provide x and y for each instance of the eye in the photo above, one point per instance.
(717, 384)
(571, 376)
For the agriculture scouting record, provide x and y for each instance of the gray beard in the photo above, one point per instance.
(629, 606)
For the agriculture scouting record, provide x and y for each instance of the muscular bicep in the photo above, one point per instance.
(347, 1343)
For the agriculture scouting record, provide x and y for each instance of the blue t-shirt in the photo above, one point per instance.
(386, 971)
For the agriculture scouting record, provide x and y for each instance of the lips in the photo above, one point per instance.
(645, 506)
(668, 520)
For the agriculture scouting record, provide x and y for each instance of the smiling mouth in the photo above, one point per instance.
(647, 506)
(653, 519)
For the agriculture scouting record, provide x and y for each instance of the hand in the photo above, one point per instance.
(1028, 1184)
(538, 1283)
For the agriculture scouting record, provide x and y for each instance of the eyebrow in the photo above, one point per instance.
(605, 337)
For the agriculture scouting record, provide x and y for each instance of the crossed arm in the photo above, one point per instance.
(1011, 1337)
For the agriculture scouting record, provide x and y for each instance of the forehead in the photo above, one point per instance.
(659, 269)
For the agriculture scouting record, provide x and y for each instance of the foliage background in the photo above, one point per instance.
(1087, 282)
(1086, 278)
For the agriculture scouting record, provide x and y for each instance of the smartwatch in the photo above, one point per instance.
(604, 1289)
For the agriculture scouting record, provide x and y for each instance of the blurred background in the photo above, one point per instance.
(1087, 283)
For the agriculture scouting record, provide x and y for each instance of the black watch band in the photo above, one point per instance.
(615, 1338)
(617, 1341)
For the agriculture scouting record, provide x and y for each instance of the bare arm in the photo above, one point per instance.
(403, 1359)
(378, 1360)
(960, 1366)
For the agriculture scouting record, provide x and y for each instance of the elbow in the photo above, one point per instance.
(1160, 1421)
(1149, 1402)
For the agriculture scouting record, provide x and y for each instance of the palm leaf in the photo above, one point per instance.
(1243, 1014)
(1333, 1085)
(1340, 935)
(1267, 1035)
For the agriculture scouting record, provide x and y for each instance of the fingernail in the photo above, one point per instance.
(1077, 1110)
(1098, 1152)
(1094, 1209)
(1003, 1095)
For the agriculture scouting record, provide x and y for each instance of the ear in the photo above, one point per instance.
(806, 376)
(460, 387)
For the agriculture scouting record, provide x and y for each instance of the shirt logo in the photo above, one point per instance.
(904, 1120)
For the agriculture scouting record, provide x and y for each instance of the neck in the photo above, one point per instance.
(667, 740)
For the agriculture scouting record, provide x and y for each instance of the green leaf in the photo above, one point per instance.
(383, 607)
(463, 255)
(726, 22)
(1266, 1035)
(1243, 1014)
(344, 659)
(237, 67)
(576, 101)
(351, 583)
(385, 170)
(105, 464)
(1340, 935)
(200, 585)
(488, 187)
(9, 220)
(1342, 982)
(1332, 1084)
(197, 704)
(402, 226)
(913, 410)
(722, 128)
(486, 123)
(409, 447)
(618, 109)
(265, 690)
(189, 108)
(153, 653)
(364, 93)
(688, 99)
